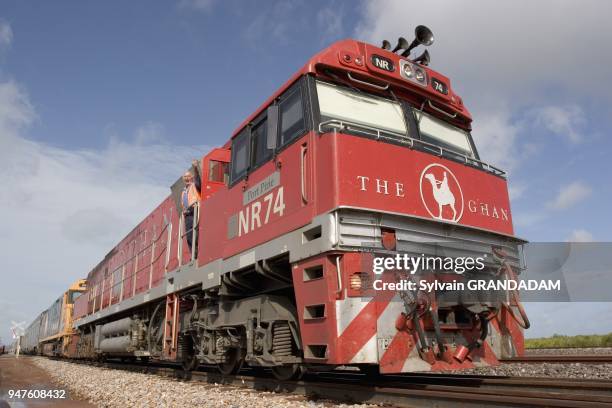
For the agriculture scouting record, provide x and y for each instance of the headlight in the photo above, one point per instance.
(419, 75)
(355, 281)
(360, 281)
(407, 70)
(413, 73)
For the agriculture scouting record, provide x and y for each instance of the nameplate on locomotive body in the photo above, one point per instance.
(261, 188)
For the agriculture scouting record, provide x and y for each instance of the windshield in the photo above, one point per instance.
(442, 134)
(360, 108)
(352, 106)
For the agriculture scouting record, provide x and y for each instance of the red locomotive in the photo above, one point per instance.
(364, 152)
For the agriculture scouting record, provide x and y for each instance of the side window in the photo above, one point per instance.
(72, 296)
(292, 115)
(218, 171)
(259, 150)
(240, 155)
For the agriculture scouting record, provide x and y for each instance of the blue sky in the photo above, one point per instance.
(198, 68)
(102, 104)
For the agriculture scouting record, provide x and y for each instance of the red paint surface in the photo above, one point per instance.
(356, 158)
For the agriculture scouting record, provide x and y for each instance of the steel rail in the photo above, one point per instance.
(407, 390)
(575, 358)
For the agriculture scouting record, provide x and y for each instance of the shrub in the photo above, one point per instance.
(560, 341)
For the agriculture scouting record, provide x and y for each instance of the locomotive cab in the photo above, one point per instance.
(215, 172)
(325, 173)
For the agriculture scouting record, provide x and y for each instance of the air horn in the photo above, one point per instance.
(423, 35)
(423, 59)
(401, 44)
(386, 45)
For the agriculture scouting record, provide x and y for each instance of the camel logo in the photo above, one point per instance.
(441, 193)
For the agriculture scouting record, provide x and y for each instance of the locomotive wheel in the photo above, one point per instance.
(288, 372)
(190, 362)
(233, 362)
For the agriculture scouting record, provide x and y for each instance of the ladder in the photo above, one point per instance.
(171, 327)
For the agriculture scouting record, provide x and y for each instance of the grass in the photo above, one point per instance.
(560, 341)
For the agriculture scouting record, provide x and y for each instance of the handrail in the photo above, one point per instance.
(359, 81)
(153, 258)
(379, 133)
(168, 246)
(179, 243)
(337, 124)
(442, 111)
(302, 174)
(137, 270)
(193, 230)
(142, 250)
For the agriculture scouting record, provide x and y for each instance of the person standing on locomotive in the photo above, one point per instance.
(189, 197)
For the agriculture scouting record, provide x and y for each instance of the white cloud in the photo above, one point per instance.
(517, 48)
(149, 133)
(516, 190)
(274, 24)
(6, 34)
(198, 5)
(64, 209)
(16, 111)
(570, 195)
(580, 235)
(495, 137)
(329, 20)
(564, 121)
(527, 219)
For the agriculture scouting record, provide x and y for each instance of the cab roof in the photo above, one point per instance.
(356, 57)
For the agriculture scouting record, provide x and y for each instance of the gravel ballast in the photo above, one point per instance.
(553, 370)
(569, 351)
(117, 388)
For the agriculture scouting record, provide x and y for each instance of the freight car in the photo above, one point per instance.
(29, 342)
(364, 152)
(52, 332)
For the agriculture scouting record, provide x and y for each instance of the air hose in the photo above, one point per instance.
(463, 351)
(436, 324)
(500, 256)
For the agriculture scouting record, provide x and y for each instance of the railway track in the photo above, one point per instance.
(409, 390)
(576, 358)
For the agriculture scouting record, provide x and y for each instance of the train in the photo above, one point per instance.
(363, 153)
(51, 333)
